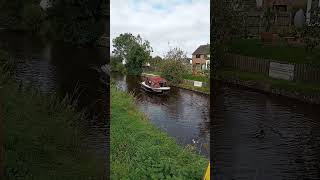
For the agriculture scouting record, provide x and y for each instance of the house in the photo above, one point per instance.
(201, 58)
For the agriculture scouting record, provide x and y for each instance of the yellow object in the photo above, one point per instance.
(207, 175)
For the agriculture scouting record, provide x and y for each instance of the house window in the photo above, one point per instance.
(198, 56)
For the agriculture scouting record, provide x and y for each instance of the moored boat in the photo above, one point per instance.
(155, 84)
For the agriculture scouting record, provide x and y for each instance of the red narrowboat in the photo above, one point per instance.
(155, 84)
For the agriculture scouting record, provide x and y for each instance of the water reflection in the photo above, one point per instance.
(183, 114)
(287, 148)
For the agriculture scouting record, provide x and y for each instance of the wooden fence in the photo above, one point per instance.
(302, 72)
(246, 63)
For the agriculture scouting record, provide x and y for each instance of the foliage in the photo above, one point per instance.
(279, 52)
(155, 63)
(308, 88)
(33, 148)
(116, 64)
(173, 66)
(268, 18)
(227, 22)
(13, 13)
(311, 33)
(134, 50)
(196, 78)
(138, 150)
(78, 22)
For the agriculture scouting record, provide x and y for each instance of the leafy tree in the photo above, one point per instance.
(173, 66)
(116, 64)
(78, 22)
(155, 63)
(134, 50)
(14, 12)
(227, 22)
(311, 33)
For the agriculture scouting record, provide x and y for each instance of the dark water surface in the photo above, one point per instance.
(62, 69)
(258, 136)
(182, 114)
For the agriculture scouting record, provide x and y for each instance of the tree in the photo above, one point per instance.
(227, 22)
(13, 13)
(311, 32)
(155, 62)
(173, 67)
(133, 50)
(78, 22)
(116, 64)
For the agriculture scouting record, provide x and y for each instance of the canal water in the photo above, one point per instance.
(183, 114)
(259, 136)
(56, 68)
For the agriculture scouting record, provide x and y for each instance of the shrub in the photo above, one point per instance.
(173, 71)
(116, 64)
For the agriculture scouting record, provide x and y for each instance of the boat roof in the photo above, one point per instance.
(156, 79)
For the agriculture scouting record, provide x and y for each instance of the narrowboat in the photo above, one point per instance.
(155, 84)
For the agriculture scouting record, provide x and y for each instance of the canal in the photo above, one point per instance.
(259, 136)
(57, 68)
(182, 114)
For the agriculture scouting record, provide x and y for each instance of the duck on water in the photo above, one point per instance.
(155, 84)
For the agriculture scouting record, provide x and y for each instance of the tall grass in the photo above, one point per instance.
(42, 136)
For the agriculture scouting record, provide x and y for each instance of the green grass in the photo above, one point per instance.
(196, 78)
(41, 140)
(195, 88)
(309, 88)
(139, 150)
(280, 52)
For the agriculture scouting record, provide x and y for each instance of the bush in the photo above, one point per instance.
(116, 65)
(173, 71)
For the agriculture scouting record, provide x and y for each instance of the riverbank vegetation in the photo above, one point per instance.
(132, 52)
(138, 150)
(308, 88)
(173, 67)
(281, 52)
(76, 22)
(42, 136)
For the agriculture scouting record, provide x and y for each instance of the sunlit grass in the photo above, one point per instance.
(141, 151)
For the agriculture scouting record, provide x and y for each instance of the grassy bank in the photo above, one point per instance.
(281, 52)
(196, 78)
(41, 136)
(141, 151)
(302, 87)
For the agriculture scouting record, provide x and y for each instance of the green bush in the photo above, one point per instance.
(116, 65)
(173, 71)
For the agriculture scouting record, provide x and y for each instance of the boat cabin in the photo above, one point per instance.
(156, 82)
